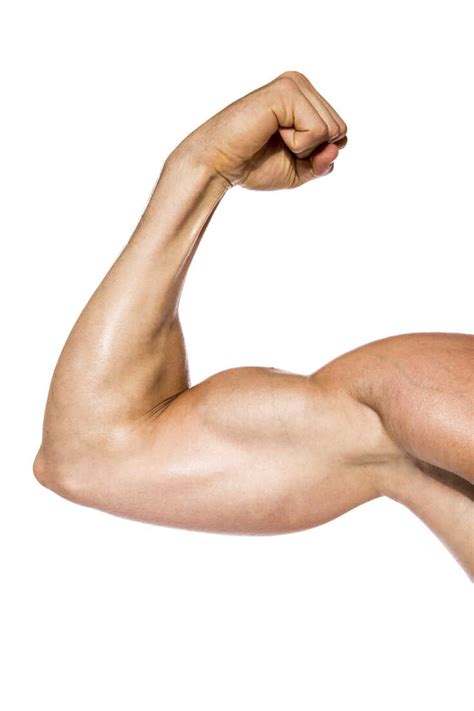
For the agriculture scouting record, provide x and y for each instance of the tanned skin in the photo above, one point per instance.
(251, 450)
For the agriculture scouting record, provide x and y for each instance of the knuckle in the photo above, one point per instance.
(293, 74)
(286, 82)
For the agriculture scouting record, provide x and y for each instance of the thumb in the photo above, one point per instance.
(317, 165)
(323, 158)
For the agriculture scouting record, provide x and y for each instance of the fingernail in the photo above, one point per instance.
(329, 170)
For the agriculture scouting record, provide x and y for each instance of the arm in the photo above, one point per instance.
(122, 428)
(250, 449)
(125, 355)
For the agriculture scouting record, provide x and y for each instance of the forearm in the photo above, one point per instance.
(125, 354)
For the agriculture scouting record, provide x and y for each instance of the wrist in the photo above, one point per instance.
(189, 157)
(184, 198)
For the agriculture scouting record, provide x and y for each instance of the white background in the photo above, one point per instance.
(368, 612)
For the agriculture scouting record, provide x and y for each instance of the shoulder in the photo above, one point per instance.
(420, 386)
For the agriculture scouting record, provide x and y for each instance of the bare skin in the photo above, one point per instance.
(251, 450)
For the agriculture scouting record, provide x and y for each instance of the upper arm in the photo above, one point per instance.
(248, 450)
(263, 450)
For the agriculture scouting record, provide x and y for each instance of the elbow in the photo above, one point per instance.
(40, 469)
(85, 473)
(58, 479)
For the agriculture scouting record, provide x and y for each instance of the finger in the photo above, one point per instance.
(340, 122)
(341, 142)
(333, 128)
(337, 127)
(336, 117)
(301, 126)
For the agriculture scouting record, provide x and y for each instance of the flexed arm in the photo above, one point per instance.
(125, 357)
(249, 450)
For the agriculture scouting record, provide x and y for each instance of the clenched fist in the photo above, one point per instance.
(278, 136)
